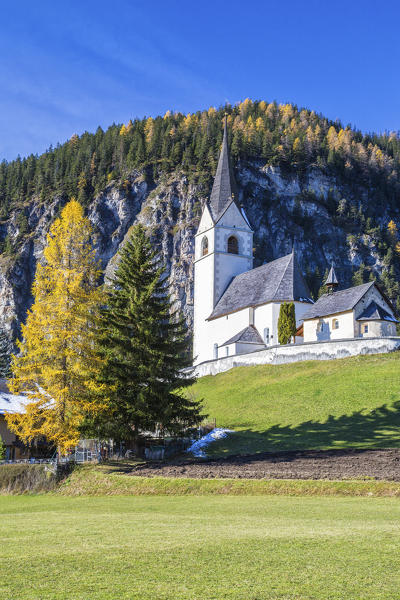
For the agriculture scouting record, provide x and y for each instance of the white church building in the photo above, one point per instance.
(236, 307)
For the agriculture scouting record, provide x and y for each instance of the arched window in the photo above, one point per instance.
(335, 324)
(204, 246)
(233, 246)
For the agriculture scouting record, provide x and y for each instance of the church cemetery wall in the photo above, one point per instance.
(278, 355)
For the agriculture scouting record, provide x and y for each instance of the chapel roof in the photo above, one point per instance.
(331, 279)
(374, 312)
(337, 302)
(248, 335)
(280, 280)
(224, 186)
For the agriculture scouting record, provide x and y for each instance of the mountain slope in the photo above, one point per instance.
(300, 176)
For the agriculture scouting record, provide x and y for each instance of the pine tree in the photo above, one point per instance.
(323, 289)
(286, 323)
(5, 355)
(56, 351)
(359, 276)
(144, 347)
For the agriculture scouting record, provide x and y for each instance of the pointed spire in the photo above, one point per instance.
(332, 281)
(224, 188)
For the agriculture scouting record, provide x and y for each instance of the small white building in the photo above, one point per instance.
(357, 312)
(236, 307)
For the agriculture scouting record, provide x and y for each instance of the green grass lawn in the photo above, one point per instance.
(114, 480)
(352, 402)
(203, 548)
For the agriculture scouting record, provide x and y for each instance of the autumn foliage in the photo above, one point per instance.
(56, 352)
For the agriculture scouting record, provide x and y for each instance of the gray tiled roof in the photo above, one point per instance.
(337, 302)
(374, 312)
(224, 186)
(279, 280)
(248, 335)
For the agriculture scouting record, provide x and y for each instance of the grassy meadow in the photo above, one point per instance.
(246, 547)
(351, 402)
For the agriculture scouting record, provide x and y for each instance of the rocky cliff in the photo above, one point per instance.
(280, 208)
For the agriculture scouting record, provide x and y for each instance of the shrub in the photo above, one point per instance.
(286, 322)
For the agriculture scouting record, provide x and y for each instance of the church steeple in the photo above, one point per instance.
(331, 281)
(224, 187)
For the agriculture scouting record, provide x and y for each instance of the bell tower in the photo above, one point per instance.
(223, 249)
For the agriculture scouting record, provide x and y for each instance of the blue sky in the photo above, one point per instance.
(69, 66)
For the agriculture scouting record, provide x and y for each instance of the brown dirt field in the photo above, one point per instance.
(311, 464)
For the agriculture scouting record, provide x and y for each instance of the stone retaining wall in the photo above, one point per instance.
(278, 355)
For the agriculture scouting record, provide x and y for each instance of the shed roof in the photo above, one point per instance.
(337, 302)
(280, 280)
(248, 335)
(10, 403)
(374, 312)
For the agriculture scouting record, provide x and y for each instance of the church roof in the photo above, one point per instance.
(337, 302)
(224, 187)
(280, 280)
(248, 335)
(374, 312)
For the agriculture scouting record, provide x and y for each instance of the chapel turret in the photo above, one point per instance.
(331, 281)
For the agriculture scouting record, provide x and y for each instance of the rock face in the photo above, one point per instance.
(281, 210)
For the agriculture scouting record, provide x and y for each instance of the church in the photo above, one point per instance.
(236, 307)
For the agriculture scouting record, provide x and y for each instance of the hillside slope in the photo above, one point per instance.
(300, 176)
(351, 402)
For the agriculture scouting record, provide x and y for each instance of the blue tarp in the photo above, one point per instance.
(197, 448)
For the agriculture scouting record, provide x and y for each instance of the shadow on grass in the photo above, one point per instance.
(379, 428)
(360, 430)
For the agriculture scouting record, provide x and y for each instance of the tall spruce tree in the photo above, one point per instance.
(286, 322)
(144, 348)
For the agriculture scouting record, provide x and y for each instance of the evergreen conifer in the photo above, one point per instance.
(286, 322)
(144, 348)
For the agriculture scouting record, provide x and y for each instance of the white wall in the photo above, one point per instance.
(375, 328)
(294, 353)
(213, 273)
(267, 315)
(345, 331)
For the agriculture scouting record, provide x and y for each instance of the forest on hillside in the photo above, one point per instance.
(294, 139)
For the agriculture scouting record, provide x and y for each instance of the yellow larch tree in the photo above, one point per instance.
(149, 130)
(56, 354)
(392, 229)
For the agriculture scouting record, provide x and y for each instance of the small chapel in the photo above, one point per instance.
(236, 306)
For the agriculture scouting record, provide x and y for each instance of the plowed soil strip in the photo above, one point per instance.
(318, 464)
